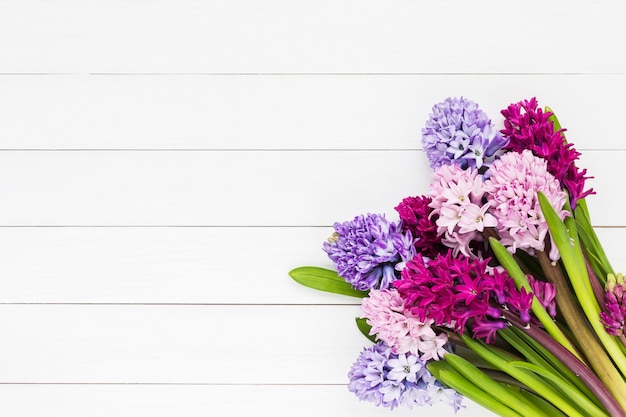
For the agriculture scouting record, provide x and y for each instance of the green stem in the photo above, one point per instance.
(450, 377)
(575, 319)
(515, 272)
(526, 377)
(549, 409)
(585, 374)
(538, 354)
(596, 286)
(487, 384)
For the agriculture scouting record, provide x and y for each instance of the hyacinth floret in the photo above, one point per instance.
(512, 189)
(391, 380)
(369, 251)
(545, 293)
(417, 217)
(614, 313)
(527, 126)
(399, 329)
(458, 132)
(462, 293)
(457, 202)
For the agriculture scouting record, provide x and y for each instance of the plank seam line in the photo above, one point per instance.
(148, 226)
(177, 384)
(309, 74)
(186, 304)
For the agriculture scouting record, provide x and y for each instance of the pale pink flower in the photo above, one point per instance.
(433, 347)
(512, 189)
(455, 185)
(460, 242)
(457, 201)
(403, 332)
(475, 218)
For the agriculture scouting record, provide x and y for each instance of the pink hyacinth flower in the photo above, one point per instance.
(399, 329)
(512, 189)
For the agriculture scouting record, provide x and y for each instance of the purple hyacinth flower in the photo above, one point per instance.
(390, 380)
(458, 132)
(369, 251)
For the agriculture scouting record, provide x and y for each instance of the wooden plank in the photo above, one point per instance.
(160, 265)
(200, 401)
(175, 265)
(231, 188)
(274, 112)
(178, 344)
(282, 36)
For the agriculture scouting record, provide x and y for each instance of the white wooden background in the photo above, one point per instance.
(163, 164)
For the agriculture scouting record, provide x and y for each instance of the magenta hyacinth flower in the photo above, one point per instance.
(527, 126)
(418, 218)
(545, 293)
(614, 313)
(462, 293)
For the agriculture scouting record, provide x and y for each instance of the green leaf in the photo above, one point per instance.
(324, 280)
(590, 239)
(553, 119)
(365, 329)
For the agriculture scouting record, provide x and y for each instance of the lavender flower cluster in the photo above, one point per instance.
(369, 251)
(459, 132)
(390, 380)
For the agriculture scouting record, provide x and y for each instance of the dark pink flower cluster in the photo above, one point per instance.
(527, 126)
(417, 218)
(462, 293)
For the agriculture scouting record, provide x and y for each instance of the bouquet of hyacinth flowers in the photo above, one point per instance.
(492, 286)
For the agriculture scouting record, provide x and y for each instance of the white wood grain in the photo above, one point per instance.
(328, 36)
(200, 401)
(175, 265)
(161, 265)
(179, 344)
(234, 188)
(281, 112)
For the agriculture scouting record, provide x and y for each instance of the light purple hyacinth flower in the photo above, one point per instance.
(369, 251)
(458, 132)
(390, 380)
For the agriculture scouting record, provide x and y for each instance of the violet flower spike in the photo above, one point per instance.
(369, 251)
(458, 132)
(391, 380)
